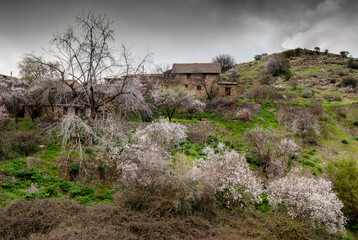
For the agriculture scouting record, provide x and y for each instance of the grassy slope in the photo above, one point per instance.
(16, 177)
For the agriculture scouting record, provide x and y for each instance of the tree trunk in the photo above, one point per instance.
(16, 121)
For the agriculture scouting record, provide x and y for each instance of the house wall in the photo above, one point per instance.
(223, 90)
(194, 82)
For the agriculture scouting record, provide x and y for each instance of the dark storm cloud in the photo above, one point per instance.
(187, 30)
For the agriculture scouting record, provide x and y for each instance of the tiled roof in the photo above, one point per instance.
(196, 68)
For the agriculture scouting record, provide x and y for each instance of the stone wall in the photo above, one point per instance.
(198, 82)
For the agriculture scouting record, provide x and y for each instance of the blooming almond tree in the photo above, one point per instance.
(226, 172)
(13, 95)
(172, 98)
(309, 198)
(147, 160)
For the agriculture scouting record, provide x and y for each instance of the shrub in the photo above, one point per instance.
(197, 136)
(220, 105)
(318, 111)
(226, 172)
(342, 74)
(253, 107)
(349, 81)
(260, 93)
(333, 97)
(273, 154)
(278, 65)
(234, 73)
(258, 57)
(307, 93)
(294, 84)
(355, 123)
(298, 52)
(73, 168)
(341, 113)
(145, 162)
(344, 141)
(306, 126)
(345, 173)
(353, 64)
(344, 54)
(244, 115)
(267, 80)
(308, 198)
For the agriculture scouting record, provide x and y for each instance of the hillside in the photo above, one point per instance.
(322, 74)
(305, 118)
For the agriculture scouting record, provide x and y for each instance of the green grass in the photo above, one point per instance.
(45, 177)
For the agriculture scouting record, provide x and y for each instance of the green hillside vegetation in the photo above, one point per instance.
(46, 194)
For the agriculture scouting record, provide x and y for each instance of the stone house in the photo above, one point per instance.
(202, 78)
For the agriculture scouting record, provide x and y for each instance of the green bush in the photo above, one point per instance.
(349, 81)
(73, 168)
(344, 141)
(355, 123)
(352, 64)
(307, 93)
(344, 54)
(345, 173)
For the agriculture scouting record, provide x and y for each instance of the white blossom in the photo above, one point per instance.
(308, 198)
(226, 172)
(146, 161)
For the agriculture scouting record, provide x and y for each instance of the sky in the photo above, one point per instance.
(186, 30)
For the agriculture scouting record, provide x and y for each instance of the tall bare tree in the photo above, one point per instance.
(86, 54)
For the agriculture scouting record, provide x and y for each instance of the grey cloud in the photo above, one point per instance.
(187, 30)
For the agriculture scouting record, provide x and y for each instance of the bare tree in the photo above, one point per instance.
(86, 54)
(278, 64)
(226, 61)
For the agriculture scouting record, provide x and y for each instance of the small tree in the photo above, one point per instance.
(306, 126)
(278, 65)
(317, 50)
(308, 198)
(31, 70)
(228, 173)
(258, 57)
(172, 98)
(344, 54)
(226, 61)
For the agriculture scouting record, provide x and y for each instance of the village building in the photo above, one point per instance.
(201, 78)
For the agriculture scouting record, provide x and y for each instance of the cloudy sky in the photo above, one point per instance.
(186, 30)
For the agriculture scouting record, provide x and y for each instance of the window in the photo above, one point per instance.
(227, 91)
(198, 88)
(188, 75)
(204, 76)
